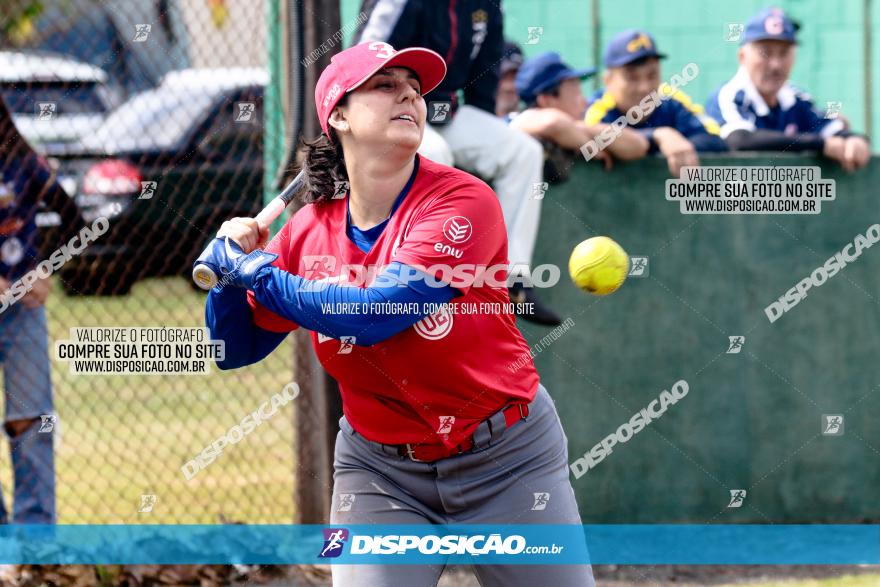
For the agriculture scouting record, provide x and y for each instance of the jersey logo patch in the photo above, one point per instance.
(12, 251)
(435, 326)
(457, 229)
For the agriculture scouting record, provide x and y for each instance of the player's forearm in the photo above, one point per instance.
(553, 125)
(229, 319)
(370, 315)
(569, 134)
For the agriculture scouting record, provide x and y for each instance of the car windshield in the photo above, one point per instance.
(69, 98)
(157, 119)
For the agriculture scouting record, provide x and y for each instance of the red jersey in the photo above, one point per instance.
(438, 379)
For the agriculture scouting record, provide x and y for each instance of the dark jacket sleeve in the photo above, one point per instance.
(708, 143)
(773, 140)
(43, 188)
(482, 84)
(58, 200)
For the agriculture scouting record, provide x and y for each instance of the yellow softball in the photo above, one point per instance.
(598, 265)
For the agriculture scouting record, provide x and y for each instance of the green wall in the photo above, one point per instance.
(830, 63)
(750, 420)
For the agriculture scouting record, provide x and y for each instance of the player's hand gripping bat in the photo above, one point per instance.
(206, 272)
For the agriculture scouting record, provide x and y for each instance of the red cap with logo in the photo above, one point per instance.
(352, 67)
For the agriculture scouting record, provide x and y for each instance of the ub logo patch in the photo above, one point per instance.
(435, 326)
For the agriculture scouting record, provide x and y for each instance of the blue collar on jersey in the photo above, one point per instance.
(365, 239)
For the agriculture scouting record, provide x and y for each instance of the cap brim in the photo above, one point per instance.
(508, 67)
(770, 38)
(427, 64)
(582, 73)
(628, 60)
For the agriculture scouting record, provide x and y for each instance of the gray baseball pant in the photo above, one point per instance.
(495, 483)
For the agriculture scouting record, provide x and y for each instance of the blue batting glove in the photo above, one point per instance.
(247, 268)
(220, 255)
(231, 264)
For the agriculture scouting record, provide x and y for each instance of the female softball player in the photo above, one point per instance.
(444, 423)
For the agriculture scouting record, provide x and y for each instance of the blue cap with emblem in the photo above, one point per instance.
(628, 46)
(770, 24)
(544, 72)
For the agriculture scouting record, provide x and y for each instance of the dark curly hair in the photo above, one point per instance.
(324, 165)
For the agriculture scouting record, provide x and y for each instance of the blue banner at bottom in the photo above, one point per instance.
(728, 544)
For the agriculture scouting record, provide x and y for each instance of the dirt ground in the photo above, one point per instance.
(659, 576)
(319, 576)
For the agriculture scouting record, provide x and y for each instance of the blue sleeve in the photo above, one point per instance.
(811, 120)
(374, 312)
(228, 317)
(713, 108)
(696, 130)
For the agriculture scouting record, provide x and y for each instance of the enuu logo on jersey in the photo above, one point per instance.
(457, 229)
(435, 326)
(334, 541)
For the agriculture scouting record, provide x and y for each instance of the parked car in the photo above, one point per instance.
(166, 167)
(53, 98)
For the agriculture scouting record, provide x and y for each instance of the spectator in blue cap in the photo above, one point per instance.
(759, 110)
(673, 125)
(555, 107)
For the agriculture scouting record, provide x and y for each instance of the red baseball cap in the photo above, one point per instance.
(352, 67)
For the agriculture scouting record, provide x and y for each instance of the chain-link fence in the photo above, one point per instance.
(149, 116)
